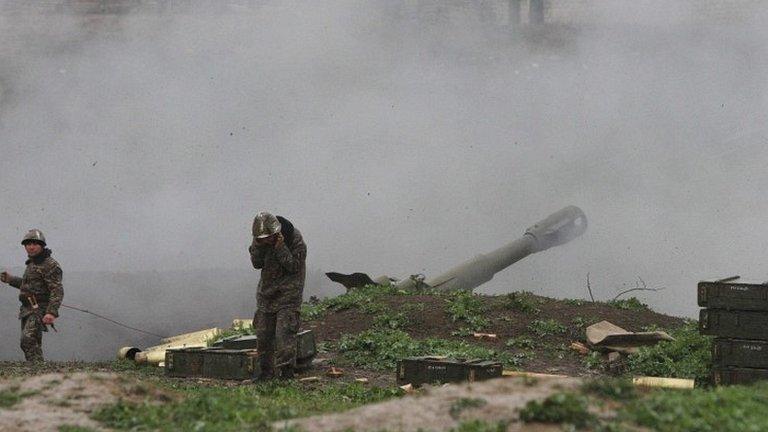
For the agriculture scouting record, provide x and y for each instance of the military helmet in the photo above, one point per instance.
(265, 224)
(34, 235)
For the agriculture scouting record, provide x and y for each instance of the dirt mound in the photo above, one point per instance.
(52, 400)
(538, 329)
(444, 408)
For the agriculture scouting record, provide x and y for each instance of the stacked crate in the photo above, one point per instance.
(736, 313)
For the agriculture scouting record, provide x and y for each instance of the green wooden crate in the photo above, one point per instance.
(430, 370)
(216, 363)
(234, 358)
(733, 296)
(734, 324)
(740, 353)
(733, 376)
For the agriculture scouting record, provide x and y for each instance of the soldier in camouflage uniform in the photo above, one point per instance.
(40, 293)
(279, 251)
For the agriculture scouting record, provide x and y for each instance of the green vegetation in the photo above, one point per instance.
(723, 409)
(631, 303)
(467, 308)
(546, 327)
(72, 428)
(367, 299)
(312, 311)
(381, 349)
(611, 388)
(575, 302)
(688, 356)
(464, 404)
(522, 301)
(521, 342)
(11, 396)
(390, 320)
(563, 408)
(593, 360)
(480, 426)
(239, 408)
(239, 330)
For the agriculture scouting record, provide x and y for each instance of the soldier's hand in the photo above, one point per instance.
(279, 240)
(5, 277)
(48, 319)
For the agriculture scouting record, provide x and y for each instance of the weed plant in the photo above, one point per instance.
(611, 388)
(522, 301)
(632, 303)
(463, 404)
(381, 349)
(480, 426)
(241, 408)
(563, 408)
(548, 327)
(466, 308)
(722, 409)
(688, 356)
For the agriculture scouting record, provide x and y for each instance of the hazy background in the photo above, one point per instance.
(399, 137)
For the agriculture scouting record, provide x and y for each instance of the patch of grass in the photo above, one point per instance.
(463, 404)
(381, 349)
(390, 320)
(632, 303)
(688, 356)
(480, 426)
(581, 322)
(611, 388)
(546, 327)
(575, 302)
(467, 308)
(73, 428)
(11, 396)
(521, 342)
(594, 360)
(722, 409)
(312, 311)
(240, 408)
(563, 408)
(522, 301)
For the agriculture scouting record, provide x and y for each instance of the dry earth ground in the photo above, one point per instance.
(431, 409)
(52, 400)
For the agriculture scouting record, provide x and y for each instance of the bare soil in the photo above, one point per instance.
(550, 354)
(437, 408)
(52, 400)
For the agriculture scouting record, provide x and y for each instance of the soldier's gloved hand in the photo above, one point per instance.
(48, 319)
(5, 277)
(279, 239)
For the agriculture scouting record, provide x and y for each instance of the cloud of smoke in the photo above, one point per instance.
(399, 137)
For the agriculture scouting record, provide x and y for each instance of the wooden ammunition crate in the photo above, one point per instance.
(733, 296)
(430, 370)
(734, 324)
(740, 353)
(212, 363)
(731, 376)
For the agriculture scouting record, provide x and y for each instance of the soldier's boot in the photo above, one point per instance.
(33, 353)
(286, 370)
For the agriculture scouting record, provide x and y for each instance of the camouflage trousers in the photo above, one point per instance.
(276, 340)
(32, 338)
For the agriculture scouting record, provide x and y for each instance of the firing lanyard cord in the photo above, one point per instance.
(111, 320)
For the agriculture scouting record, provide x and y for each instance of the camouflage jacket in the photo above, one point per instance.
(42, 278)
(283, 270)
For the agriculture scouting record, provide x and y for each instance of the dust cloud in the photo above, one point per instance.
(400, 137)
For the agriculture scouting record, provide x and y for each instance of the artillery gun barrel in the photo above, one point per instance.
(557, 229)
